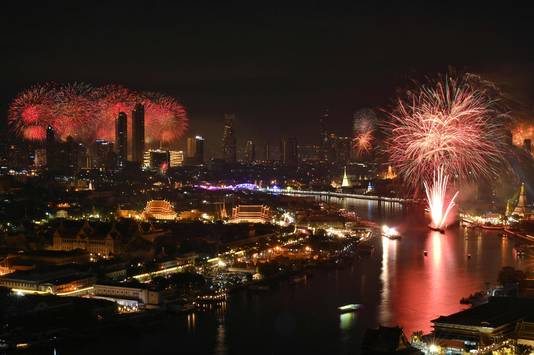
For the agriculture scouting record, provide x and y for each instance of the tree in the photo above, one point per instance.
(510, 276)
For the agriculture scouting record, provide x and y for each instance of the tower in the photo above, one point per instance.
(324, 143)
(521, 207)
(121, 138)
(250, 152)
(288, 151)
(346, 181)
(50, 145)
(138, 133)
(199, 150)
(229, 140)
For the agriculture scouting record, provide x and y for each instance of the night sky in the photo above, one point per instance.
(275, 66)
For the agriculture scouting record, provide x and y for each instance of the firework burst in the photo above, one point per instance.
(363, 143)
(87, 113)
(448, 128)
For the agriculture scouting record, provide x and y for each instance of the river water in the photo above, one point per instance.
(398, 285)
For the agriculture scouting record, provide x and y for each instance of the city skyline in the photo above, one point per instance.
(247, 83)
(265, 178)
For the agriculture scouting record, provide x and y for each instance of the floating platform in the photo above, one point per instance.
(349, 308)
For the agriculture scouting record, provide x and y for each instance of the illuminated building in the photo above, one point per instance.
(288, 151)
(229, 139)
(195, 150)
(138, 133)
(55, 282)
(521, 207)
(121, 138)
(390, 174)
(176, 158)
(250, 214)
(39, 160)
(102, 155)
(159, 209)
(134, 295)
(156, 158)
(481, 326)
(97, 239)
(346, 181)
(250, 152)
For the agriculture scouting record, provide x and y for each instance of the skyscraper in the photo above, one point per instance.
(267, 156)
(191, 148)
(250, 152)
(288, 151)
(121, 138)
(138, 133)
(195, 150)
(102, 156)
(229, 140)
(324, 142)
(51, 148)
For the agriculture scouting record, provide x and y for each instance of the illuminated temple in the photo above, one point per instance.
(521, 209)
(250, 214)
(159, 209)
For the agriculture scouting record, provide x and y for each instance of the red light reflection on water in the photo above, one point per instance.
(418, 288)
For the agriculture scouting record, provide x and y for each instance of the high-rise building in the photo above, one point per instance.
(157, 158)
(267, 156)
(50, 146)
(250, 152)
(309, 153)
(121, 138)
(195, 150)
(138, 133)
(176, 157)
(288, 151)
(191, 148)
(343, 149)
(229, 139)
(102, 155)
(325, 139)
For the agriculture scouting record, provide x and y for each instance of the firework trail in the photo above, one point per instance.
(446, 128)
(87, 113)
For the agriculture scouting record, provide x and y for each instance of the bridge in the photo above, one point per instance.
(343, 195)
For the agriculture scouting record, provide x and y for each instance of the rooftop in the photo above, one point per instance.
(497, 312)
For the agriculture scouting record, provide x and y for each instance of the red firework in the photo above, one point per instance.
(87, 113)
(31, 111)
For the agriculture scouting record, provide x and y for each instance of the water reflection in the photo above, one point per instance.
(347, 320)
(191, 322)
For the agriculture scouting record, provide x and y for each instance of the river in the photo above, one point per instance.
(398, 285)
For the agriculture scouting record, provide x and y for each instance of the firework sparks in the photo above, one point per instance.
(436, 196)
(87, 113)
(363, 143)
(448, 128)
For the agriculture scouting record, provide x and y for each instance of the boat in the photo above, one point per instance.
(390, 233)
(352, 307)
(441, 230)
